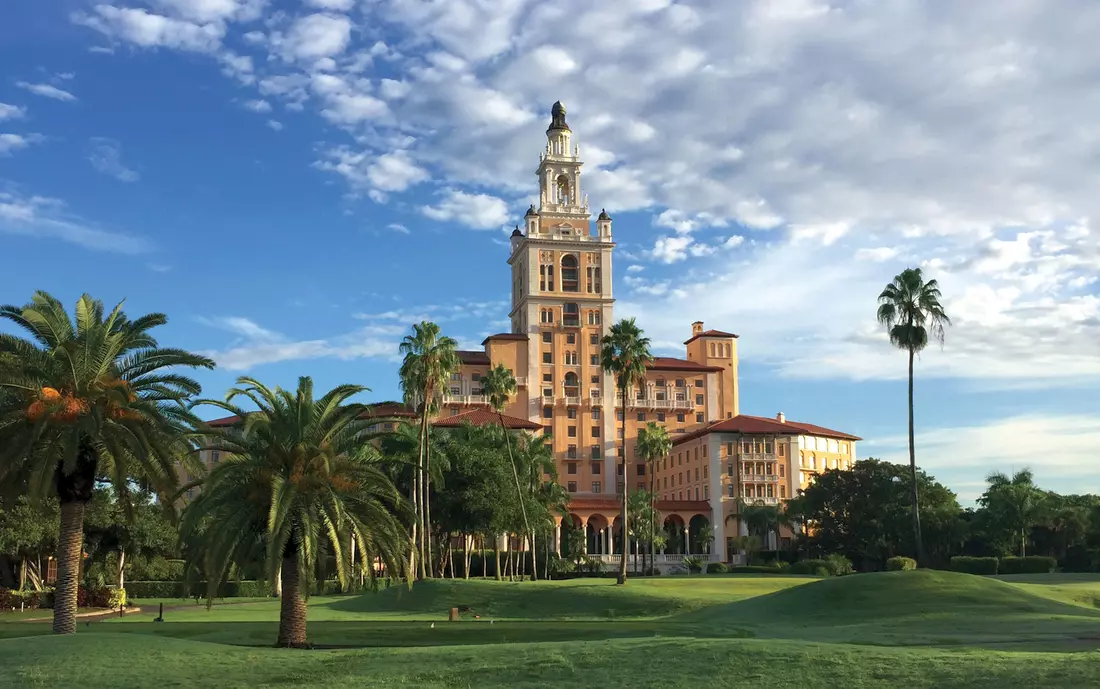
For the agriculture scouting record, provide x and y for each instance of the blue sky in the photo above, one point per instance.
(295, 183)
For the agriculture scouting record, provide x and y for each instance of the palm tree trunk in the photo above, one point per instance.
(427, 556)
(913, 492)
(496, 553)
(292, 606)
(466, 554)
(622, 459)
(121, 569)
(653, 514)
(515, 473)
(69, 548)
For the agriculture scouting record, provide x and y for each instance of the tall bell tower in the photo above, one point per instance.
(562, 301)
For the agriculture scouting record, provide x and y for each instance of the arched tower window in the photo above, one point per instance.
(569, 280)
(546, 277)
(564, 195)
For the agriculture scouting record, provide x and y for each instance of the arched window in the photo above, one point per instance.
(546, 278)
(570, 315)
(569, 281)
(564, 196)
(572, 383)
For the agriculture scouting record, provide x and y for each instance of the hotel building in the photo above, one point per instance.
(562, 306)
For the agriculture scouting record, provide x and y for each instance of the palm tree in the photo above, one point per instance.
(95, 400)
(910, 309)
(499, 385)
(299, 475)
(654, 443)
(760, 520)
(535, 457)
(1015, 501)
(429, 360)
(625, 354)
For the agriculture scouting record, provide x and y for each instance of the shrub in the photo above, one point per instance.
(901, 564)
(818, 568)
(155, 589)
(7, 597)
(974, 565)
(717, 568)
(756, 569)
(839, 565)
(93, 597)
(1080, 559)
(117, 598)
(1032, 564)
(694, 564)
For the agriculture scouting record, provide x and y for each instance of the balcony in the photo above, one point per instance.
(759, 478)
(761, 501)
(595, 400)
(572, 401)
(757, 456)
(548, 400)
(654, 403)
(448, 398)
(521, 382)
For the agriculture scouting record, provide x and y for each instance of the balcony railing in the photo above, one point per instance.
(521, 381)
(761, 501)
(654, 403)
(572, 401)
(757, 456)
(548, 399)
(465, 399)
(760, 478)
(596, 400)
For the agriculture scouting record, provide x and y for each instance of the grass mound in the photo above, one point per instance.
(906, 607)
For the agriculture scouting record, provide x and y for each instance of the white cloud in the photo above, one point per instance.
(318, 35)
(398, 227)
(275, 125)
(479, 211)
(256, 345)
(47, 91)
(389, 172)
(150, 30)
(1059, 449)
(338, 5)
(879, 253)
(258, 105)
(105, 155)
(46, 218)
(11, 112)
(9, 143)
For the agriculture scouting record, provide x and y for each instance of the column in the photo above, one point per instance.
(557, 539)
(687, 539)
(610, 541)
(584, 530)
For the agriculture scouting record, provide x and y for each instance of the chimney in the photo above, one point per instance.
(780, 418)
(696, 328)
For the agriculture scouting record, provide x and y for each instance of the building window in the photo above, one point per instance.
(547, 358)
(454, 411)
(661, 416)
(595, 414)
(546, 316)
(595, 380)
(641, 469)
(706, 492)
(619, 487)
(572, 431)
(783, 491)
(571, 468)
(569, 274)
(571, 413)
(595, 431)
(597, 487)
(571, 486)
(547, 336)
(570, 315)
(546, 278)
(571, 338)
(594, 360)
(696, 473)
(547, 412)
(215, 456)
(593, 319)
(596, 466)
(699, 417)
(594, 339)
(696, 492)
(570, 358)
(698, 399)
(619, 415)
(547, 378)
(781, 471)
(680, 382)
(594, 286)
(680, 417)
(547, 431)
(732, 490)
(699, 383)
(641, 416)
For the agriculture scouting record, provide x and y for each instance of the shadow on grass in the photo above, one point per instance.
(408, 634)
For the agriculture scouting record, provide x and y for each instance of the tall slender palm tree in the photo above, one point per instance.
(654, 442)
(909, 307)
(429, 360)
(625, 354)
(499, 385)
(95, 399)
(299, 475)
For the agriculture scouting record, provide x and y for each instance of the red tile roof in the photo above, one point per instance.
(760, 425)
(473, 358)
(484, 417)
(709, 333)
(664, 363)
(520, 337)
(595, 504)
(224, 421)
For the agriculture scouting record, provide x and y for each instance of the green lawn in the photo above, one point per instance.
(913, 629)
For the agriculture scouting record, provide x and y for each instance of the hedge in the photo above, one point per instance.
(833, 566)
(136, 590)
(717, 568)
(974, 565)
(756, 569)
(901, 564)
(1032, 564)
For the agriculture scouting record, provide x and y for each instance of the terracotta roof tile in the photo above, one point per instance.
(484, 417)
(709, 333)
(665, 363)
(519, 337)
(753, 425)
(473, 358)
